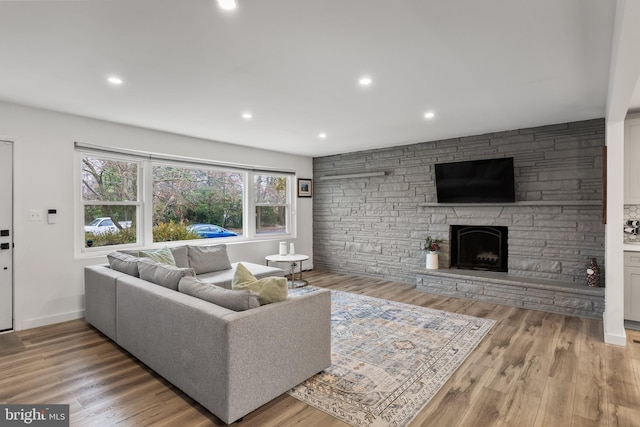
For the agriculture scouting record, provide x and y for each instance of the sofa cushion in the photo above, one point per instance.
(225, 277)
(132, 252)
(162, 255)
(233, 300)
(269, 289)
(162, 274)
(207, 259)
(123, 263)
(181, 256)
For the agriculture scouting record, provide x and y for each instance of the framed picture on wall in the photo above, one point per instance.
(305, 187)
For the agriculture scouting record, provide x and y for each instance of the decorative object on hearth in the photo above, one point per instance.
(431, 246)
(432, 261)
(593, 273)
(388, 358)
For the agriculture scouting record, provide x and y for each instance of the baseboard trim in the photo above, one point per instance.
(49, 320)
(632, 324)
(615, 339)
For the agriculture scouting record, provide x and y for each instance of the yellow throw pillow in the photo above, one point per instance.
(242, 275)
(269, 289)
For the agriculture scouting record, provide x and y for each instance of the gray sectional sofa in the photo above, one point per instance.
(231, 362)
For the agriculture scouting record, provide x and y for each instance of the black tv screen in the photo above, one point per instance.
(476, 181)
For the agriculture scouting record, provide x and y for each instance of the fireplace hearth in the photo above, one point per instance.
(479, 247)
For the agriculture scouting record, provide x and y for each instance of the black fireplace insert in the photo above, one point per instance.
(479, 247)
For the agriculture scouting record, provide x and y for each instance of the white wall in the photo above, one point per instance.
(624, 73)
(48, 274)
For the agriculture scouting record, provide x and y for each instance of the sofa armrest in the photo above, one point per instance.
(100, 298)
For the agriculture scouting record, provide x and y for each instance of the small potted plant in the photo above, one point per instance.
(432, 245)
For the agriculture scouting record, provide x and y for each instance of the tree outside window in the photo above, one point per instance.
(190, 203)
(110, 201)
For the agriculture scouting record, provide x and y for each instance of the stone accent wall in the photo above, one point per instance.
(375, 225)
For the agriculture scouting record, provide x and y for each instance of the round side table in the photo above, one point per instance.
(293, 261)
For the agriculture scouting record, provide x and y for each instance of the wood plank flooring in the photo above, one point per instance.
(533, 369)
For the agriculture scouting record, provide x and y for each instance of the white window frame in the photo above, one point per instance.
(153, 163)
(289, 229)
(139, 204)
(144, 204)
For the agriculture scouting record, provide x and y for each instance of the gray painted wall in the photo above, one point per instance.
(375, 226)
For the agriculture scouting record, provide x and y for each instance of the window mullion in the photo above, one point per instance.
(146, 188)
(250, 205)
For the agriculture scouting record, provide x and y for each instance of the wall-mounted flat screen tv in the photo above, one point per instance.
(476, 181)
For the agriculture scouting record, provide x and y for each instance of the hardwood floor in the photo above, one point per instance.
(533, 369)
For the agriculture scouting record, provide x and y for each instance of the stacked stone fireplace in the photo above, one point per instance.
(479, 247)
(373, 209)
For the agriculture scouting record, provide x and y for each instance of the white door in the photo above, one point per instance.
(6, 236)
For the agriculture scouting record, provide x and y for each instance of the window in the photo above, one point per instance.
(190, 203)
(177, 200)
(272, 204)
(110, 201)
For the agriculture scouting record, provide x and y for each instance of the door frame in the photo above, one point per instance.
(12, 146)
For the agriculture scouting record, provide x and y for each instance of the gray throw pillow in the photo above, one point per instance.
(181, 256)
(233, 300)
(132, 252)
(162, 274)
(123, 263)
(207, 259)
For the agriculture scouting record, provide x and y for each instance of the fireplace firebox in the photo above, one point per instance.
(479, 247)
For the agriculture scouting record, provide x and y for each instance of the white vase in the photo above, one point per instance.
(432, 260)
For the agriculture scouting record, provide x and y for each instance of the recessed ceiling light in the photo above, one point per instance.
(365, 81)
(227, 4)
(322, 135)
(429, 115)
(114, 80)
(247, 116)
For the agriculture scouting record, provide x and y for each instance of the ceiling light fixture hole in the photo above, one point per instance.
(114, 80)
(227, 4)
(365, 81)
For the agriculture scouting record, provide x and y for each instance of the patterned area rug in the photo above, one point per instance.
(388, 359)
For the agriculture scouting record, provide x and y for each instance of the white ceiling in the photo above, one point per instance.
(193, 69)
